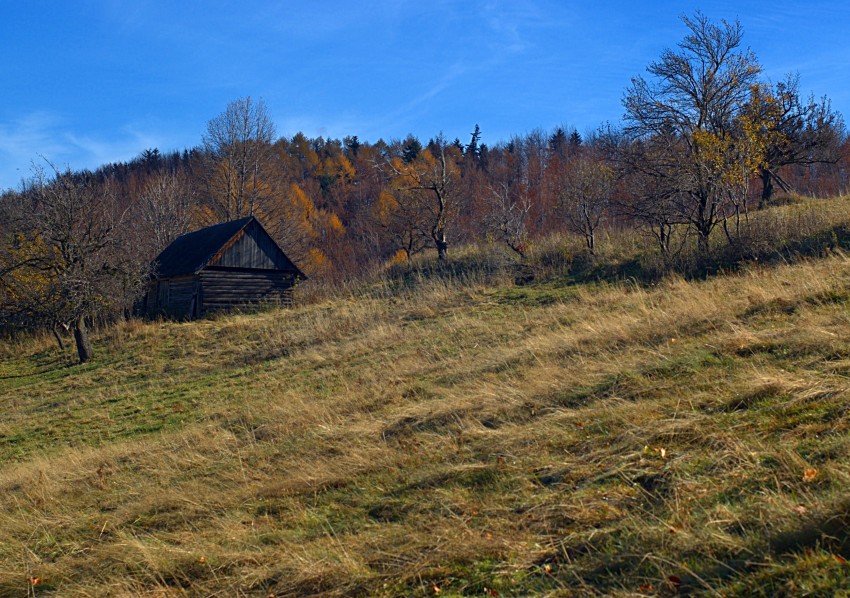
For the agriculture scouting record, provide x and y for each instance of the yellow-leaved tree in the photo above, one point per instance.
(789, 130)
(307, 234)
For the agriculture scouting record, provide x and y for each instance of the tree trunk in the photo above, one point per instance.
(766, 187)
(663, 237)
(58, 336)
(442, 249)
(702, 240)
(704, 223)
(81, 337)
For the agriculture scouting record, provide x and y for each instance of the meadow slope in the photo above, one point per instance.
(449, 438)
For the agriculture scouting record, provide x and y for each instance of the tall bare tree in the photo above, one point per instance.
(164, 209)
(239, 152)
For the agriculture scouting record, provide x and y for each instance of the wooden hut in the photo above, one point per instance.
(220, 267)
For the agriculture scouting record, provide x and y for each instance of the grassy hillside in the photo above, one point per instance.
(451, 437)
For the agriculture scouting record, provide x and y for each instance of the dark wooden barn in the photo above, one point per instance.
(224, 266)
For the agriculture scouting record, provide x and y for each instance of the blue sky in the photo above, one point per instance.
(94, 81)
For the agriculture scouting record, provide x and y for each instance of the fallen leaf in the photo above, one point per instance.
(800, 509)
(841, 560)
(547, 568)
(663, 452)
(646, 587)
(437, 589)
(810, 474)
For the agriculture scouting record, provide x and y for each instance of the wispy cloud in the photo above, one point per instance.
(26, 140)
(408, 113)
(22, 141)
(505, 25)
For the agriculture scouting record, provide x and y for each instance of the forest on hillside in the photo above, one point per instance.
(705, 140)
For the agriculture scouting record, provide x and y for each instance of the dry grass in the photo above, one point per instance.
(452, 436)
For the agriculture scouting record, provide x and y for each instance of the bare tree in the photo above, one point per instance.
(585, 192)
(164, 209)
(508, 206)
(652, 206)
(66, 263)
(692, 102)
(238, 151)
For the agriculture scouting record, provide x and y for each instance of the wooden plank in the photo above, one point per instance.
(225, 288)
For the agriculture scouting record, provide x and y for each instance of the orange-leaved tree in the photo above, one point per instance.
(429, 183)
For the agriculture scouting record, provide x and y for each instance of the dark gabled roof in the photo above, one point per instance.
(189, 253)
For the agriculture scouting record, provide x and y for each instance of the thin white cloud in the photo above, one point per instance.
(25, 141)
(29, 134)
(22, 141)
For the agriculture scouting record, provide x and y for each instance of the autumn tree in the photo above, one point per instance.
(790, 130)
(238, 153)
(303, 230)
(534, 159)
(65, 260)
(692, 101)
(402, 218)
(432, 179)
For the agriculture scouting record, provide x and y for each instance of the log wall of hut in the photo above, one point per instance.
(224, 288)
(174, 297)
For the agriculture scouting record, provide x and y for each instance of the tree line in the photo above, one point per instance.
(705, 139)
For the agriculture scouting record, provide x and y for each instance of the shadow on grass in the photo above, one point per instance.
(829, 532)
(46, 363)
